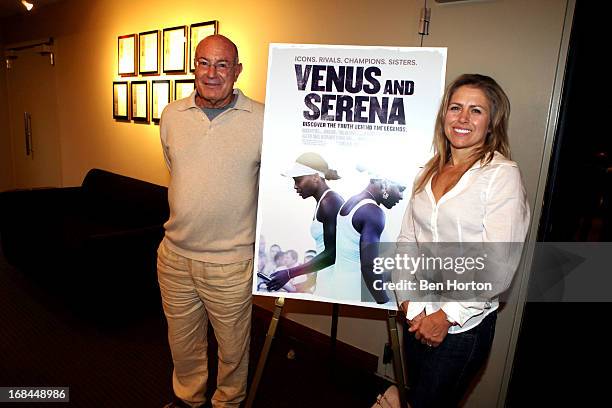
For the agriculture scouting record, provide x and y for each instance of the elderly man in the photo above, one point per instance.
(212, 144)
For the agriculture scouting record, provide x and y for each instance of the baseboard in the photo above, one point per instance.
(346, 354)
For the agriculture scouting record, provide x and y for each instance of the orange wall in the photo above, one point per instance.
(86, 46)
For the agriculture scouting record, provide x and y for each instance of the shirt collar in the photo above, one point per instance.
(242, 103)
(498, 158)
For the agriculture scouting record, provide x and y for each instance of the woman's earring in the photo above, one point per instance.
(383, 190)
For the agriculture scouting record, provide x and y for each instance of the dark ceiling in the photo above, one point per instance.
(9, 8)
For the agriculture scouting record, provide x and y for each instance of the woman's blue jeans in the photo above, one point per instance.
(439, 377)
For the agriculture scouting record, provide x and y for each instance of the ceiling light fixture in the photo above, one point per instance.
(27, 5)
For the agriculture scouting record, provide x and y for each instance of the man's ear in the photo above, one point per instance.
(238, 71)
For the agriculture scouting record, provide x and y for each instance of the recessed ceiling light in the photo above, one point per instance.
(27, 5)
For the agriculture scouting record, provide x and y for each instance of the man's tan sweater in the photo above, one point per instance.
(214, 169)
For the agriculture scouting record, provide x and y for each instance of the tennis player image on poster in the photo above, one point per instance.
(346, 129)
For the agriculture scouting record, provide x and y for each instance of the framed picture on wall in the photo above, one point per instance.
(148, 57)
(183, 88)
(197, 32)
(126, 53)
(140, 101)
(120, 100)
(175, 49)
(160, 97)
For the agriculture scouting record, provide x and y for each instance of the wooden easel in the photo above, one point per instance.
(393, 336)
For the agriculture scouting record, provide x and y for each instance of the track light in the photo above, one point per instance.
(27, 5)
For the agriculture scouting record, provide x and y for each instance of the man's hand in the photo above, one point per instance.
(431, 329)
(278, 279)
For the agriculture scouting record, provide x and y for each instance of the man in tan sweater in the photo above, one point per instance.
(212, 145)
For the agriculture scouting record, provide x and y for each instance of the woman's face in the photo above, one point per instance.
(466, 121)
(305, 186)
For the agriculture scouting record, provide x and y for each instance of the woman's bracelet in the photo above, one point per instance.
(288, 274)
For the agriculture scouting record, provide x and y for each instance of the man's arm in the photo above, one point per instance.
(163, 133)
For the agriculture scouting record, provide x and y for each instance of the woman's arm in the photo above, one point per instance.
(505, 225)
(407, 233)
(327, 214)
(406, 246)
(370, 222)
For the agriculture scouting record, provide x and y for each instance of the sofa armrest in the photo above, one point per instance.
(132, 233)
(126, 258)
(132, 246)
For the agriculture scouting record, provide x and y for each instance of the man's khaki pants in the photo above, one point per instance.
(193, 292)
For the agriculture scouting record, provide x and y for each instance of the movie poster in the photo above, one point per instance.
(346, 130)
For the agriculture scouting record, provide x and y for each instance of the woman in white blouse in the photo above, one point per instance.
(470, 191)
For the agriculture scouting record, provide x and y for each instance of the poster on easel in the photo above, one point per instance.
(346, 129)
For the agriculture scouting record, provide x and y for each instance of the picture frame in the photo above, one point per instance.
(148, 52)
(160, 97)
(121, 109)
(175, 49)
(197, 32)
(183, 88)
(140, 101)
(126, 55)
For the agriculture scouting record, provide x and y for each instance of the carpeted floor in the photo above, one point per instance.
(114, 362)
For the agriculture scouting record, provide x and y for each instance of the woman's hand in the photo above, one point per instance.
(431, 329)
(404, 307)
(278, 279)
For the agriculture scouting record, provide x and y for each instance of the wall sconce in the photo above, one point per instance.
(9, 60)
(47, 50)
(28, 6)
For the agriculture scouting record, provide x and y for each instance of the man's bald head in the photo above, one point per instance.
(221, 39)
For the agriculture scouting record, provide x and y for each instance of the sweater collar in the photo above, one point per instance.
(242, 103)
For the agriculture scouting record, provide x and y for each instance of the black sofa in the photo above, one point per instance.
(95, 245)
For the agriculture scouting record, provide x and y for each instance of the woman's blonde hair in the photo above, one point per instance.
(496, 138)
(318, 163)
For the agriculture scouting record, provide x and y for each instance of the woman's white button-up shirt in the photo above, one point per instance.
(488, 204)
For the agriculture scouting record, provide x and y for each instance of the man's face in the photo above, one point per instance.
(216, 72)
